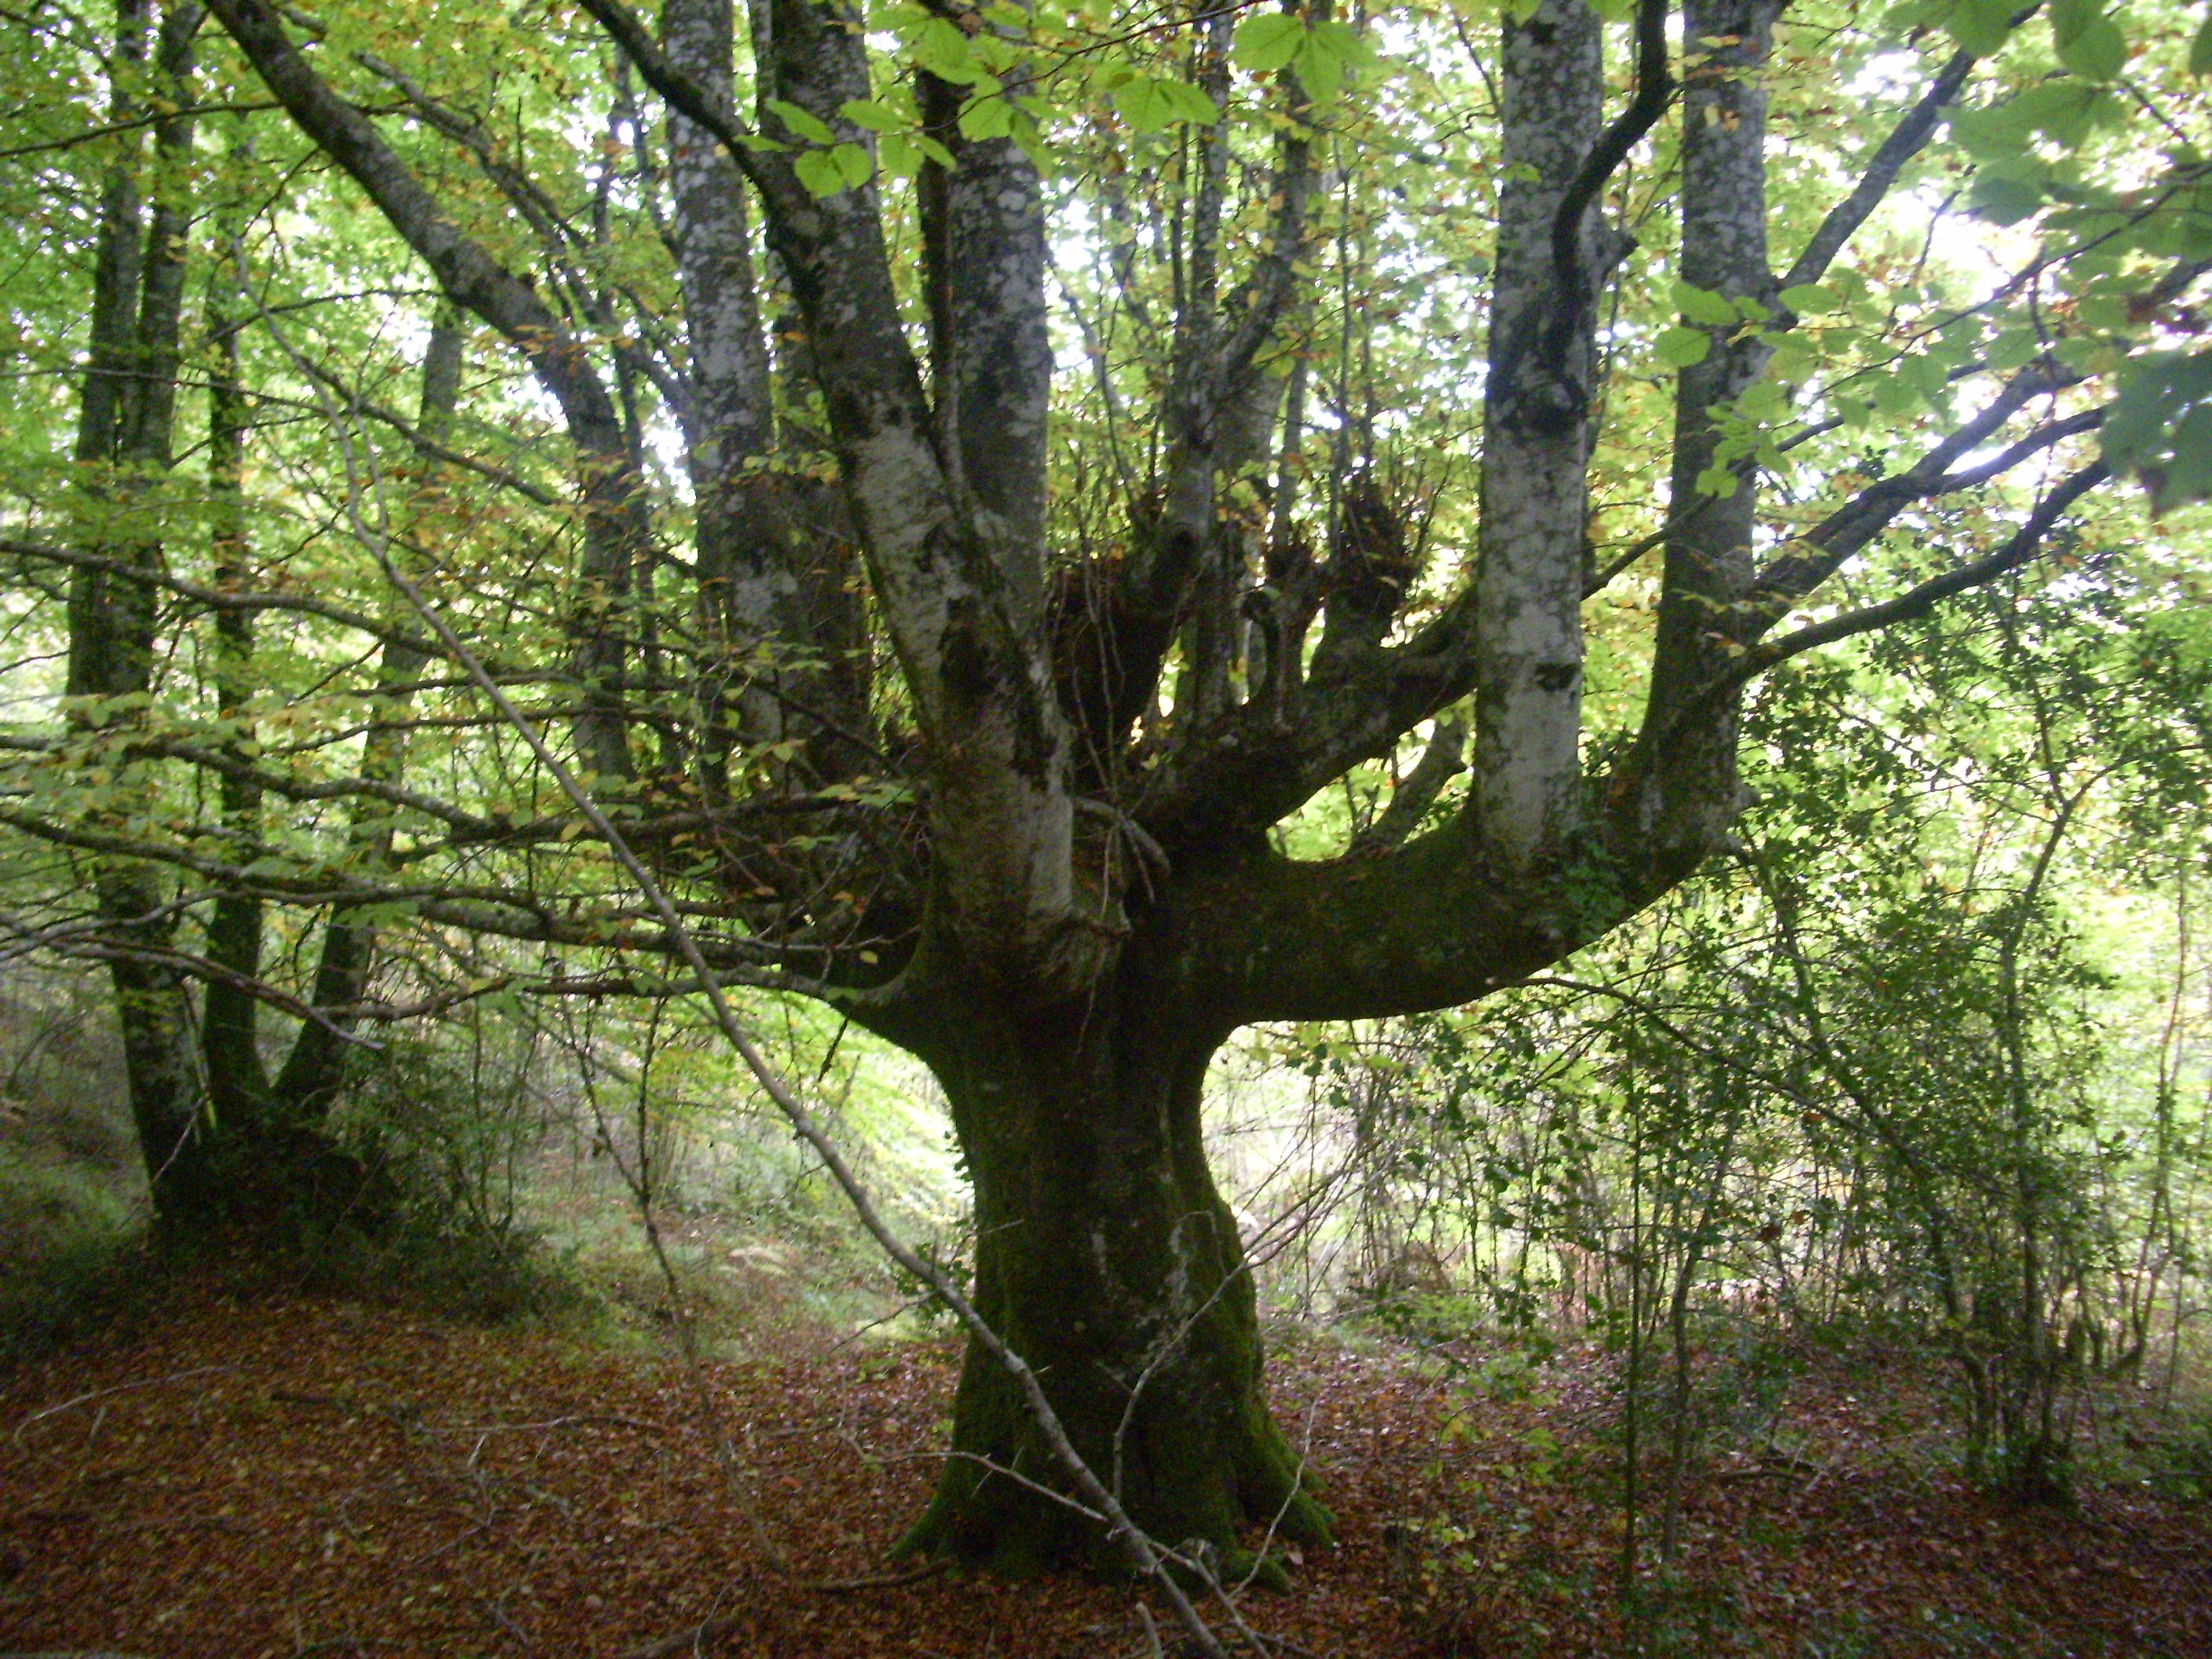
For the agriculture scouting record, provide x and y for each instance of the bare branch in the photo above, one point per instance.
(218, 598)
(1906, 140)
(1817, 555)
(2023, 545)
(1654, 88)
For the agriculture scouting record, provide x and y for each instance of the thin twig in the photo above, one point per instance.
(120, 1388)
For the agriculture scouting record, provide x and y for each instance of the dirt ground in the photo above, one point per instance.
(289, 1474)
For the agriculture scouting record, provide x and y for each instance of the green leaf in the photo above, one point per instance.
(872, 117)
(1980, 27)
(1811, 298)
(1994, 132)
(986, 117)
(2002, 199)
(1342, 42)
(1144, 107)
(1703, 306)
(2062, 110)
(1796, 359)
(821, 175)
(1764, 402)
(1718, 479)
(1189, 103)
(2087, 42)
(935, 151)
(1320, 73)
(1893, 395)
(2189, 477)
(941, 49)
(1266, 41)
(1029, 138)
(1151, 104)
(853, 164)
(803, 124)
(1926, 373)
(2160, 387)
(898, 157)
(2013, 349)
(1679, 348)
(2200, 49)
(1849, 281)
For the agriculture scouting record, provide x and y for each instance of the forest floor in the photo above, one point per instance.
(259, 1477)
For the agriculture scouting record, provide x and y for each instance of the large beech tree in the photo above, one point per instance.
(999, 501)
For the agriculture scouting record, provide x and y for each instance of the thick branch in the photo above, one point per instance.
(1654, 87)
(1425, 926)
(1905, 141)
(2023, 545)
(1821, 551)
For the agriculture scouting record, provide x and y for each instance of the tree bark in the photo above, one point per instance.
(1105, 1256)
(238, 1083)
(1691, 795)
(316, 1066)
(123, 443)
(1526, 782)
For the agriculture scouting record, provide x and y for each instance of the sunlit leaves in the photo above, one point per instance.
(1680, 348)
(1323, 55)
(2005, 197)
(1980, 27)
(1267, 40)
(1698, 306)
(874, 116)
(2086, 40)
(826, 171)
(1153, 103)
(933, 43)
(2066, 111)
(803, 124)
(1811, 298)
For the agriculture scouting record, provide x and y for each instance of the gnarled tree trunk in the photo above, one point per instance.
(1105, 1256)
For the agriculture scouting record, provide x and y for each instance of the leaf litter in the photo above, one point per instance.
(294, 1475)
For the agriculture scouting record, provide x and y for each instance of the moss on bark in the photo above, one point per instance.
(1106, 1259)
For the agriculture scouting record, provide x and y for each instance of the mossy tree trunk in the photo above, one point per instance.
(1105, 1256)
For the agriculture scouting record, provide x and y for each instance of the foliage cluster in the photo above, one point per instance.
(1923, 1067)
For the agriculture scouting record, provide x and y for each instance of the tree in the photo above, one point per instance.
(990, 723)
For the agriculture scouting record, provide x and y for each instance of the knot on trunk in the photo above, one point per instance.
(1373, 563)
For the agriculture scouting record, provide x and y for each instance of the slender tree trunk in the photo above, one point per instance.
(1105, 1256)
(315, 1067)
(238, 1083)
(123, 446)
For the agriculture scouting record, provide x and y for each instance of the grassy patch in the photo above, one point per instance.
(69, 1247)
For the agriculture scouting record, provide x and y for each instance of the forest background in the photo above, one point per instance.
(1920, 1051)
